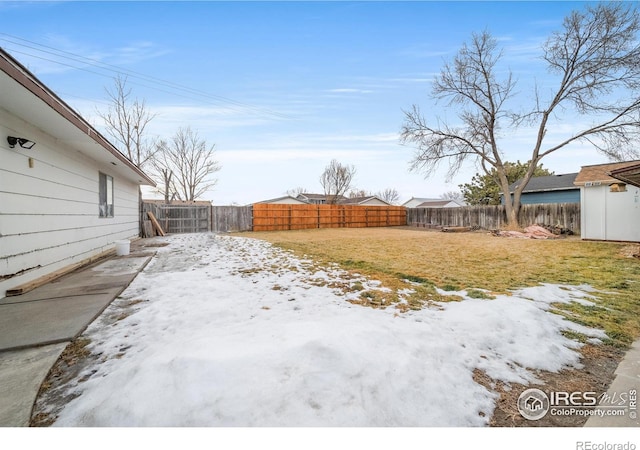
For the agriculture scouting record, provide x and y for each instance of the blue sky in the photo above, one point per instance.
(282, 88)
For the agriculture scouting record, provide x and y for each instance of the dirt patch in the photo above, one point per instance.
(630, 251)
(599, 364)
(73, 360)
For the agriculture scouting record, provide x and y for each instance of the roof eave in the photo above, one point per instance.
(625, 174)
(25, 78)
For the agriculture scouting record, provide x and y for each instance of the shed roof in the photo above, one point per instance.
(600, 173)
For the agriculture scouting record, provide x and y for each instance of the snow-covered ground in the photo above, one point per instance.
(235, 332)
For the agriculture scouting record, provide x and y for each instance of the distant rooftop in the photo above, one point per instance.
(560, 182)
(439, 203)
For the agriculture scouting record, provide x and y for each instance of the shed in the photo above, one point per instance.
(66, 193)
(548, 189)
(609, 206)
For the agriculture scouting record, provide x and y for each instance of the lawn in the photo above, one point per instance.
(232, 331)
(479, 261)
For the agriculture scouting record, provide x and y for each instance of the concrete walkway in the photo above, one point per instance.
(626, 382)
(37, 326)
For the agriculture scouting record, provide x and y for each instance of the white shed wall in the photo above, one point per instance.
(610, 216)
(49, 213)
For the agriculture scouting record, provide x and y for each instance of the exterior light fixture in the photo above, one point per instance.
(22, 142)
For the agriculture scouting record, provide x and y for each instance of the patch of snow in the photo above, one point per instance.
(230, 335)
(553, 293)
(462, 293)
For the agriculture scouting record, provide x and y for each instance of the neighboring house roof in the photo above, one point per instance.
(600, 173)
(630, 175)
(362, 200)
(312, 196)
(560, 182)
(440, 203)
(418, 200)
(38, 105)
(286, 198)
(306, 196)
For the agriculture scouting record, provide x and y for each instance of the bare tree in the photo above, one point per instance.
(187, 165)
(163, 171)
(126, 121)
(452, 195)
(296, 191)
(389, 195)
(336, 180)
(595, 61)
(355, 193)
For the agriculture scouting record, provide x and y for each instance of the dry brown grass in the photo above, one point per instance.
(455, 261)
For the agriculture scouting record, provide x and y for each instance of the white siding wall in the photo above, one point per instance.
(374, 202)
(287, 201)
(610, 216)
(49, 213)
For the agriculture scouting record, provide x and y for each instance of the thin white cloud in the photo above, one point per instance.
(136, 52)
(349, 91)
(56, 53)
(349, 149)
(425, 50)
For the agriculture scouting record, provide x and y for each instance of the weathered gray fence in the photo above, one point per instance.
(565, 215)
(231, 218)
(179, 218)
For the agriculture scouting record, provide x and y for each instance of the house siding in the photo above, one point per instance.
(49, 212)
(284, 201)
(610, 216)
(374, 202)
(565, 196)
(412, 203)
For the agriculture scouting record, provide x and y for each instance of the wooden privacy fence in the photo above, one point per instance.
(194, 218)
(231, 218)
(565, 215)
(274, 217)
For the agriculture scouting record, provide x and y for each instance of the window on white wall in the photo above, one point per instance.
(105, 183)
